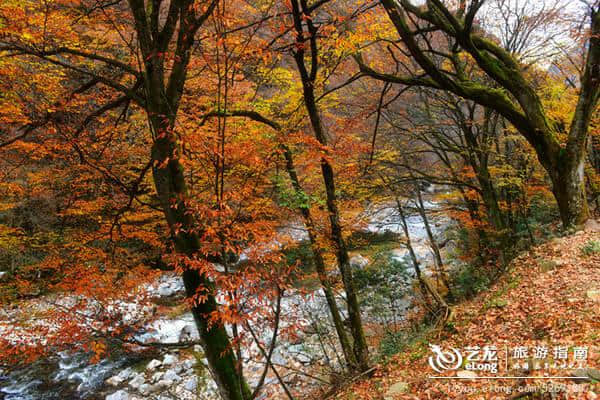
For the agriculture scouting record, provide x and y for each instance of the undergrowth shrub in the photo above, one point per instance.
(469, 280)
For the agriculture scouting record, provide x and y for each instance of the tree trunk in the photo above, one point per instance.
(161, 98)
(569, 181)
(426, 288)
(495, 216)
(569, 191)
(564, 163)
(360, 342)
(302, 18)
(172, 191)
(320, 264)
(432, 242)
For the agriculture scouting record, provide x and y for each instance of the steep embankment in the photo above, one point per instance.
(549, 300)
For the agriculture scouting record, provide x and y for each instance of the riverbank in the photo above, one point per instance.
(548, 303)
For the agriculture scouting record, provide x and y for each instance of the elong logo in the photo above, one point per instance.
(444, 360)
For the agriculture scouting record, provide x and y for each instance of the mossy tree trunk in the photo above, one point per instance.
(509, 92)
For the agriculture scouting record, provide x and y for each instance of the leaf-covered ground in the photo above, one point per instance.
(549, 297)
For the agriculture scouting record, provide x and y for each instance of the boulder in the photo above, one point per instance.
(114, 380)
(170, 359)
(277, 358)
(187, 333)
(147, 389)
(125, 374)
(189, 363)
(118, 395)
(137, 381)
(157, 376)
(165, 290)
(191, 384)
(164, 383)
(178, 368)
(152, 365)
(172, 376)
(359, 262)
(395, 390)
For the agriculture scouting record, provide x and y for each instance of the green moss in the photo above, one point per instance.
(591, 247)
(496, 303)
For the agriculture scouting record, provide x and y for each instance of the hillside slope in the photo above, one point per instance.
(549, 299)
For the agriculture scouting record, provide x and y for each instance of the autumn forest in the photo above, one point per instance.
(298, 199)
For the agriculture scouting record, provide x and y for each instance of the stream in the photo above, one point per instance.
(174, 374)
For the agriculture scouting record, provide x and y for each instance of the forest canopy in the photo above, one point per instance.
(238, 162)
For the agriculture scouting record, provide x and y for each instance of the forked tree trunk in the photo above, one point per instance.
(518, 101)
(163, 88)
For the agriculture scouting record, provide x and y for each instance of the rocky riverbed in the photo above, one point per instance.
(182, 373)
